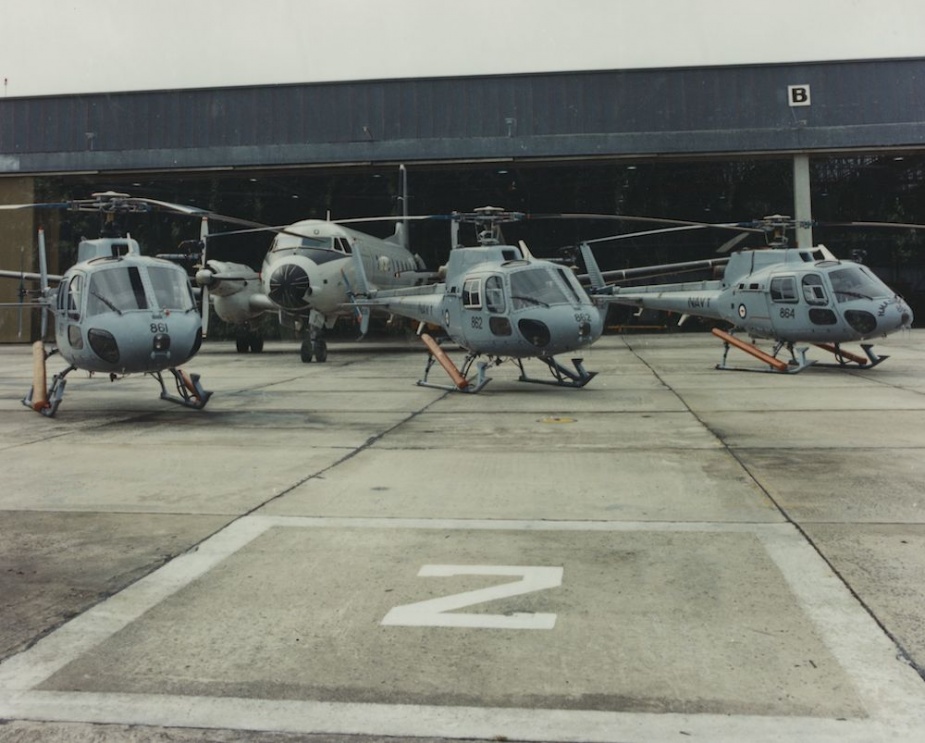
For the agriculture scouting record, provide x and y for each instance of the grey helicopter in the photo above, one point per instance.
(306, 278)
(116, 311)
(497, 302)
(789, 295)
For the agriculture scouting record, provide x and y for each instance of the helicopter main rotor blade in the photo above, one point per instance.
(49, 205)
(884, 225)
(732, 242)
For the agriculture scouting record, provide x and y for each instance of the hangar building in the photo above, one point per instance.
(838, 140)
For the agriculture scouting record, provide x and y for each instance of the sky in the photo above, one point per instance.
(51, 47)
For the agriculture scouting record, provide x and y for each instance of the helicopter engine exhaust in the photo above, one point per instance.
(39, 380)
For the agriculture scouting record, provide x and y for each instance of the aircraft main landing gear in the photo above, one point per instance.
(248, 340)
(314, 347)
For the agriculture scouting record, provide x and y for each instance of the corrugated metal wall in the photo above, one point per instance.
(862, 104)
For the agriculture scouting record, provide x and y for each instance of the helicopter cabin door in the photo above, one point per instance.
(784, 307)
(484, 311)
(820, 318)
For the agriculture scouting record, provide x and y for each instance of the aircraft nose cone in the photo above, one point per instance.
(289, 286)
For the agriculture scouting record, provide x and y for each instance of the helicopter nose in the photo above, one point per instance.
(289, 285)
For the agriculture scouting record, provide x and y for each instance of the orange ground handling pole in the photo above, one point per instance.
(859, 360)
(438, 353)
(767, 358)
(39, 382)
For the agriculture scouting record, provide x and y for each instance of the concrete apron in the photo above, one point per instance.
(327, 548)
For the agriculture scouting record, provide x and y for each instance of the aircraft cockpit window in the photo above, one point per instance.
(568, 280)
(813, 289)
(342, 245)
(292, 243)
(171, 288)
(854, 282)
(783, 289)
(117, 289)
(472, 294)
(494, 294)
(536, 286)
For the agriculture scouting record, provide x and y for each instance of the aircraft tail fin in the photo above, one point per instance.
(594, 271)
(400, 236)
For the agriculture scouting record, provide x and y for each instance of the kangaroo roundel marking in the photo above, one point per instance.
(742, 311)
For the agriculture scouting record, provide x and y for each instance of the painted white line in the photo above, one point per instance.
(522, 525)
(402, 720)
(888, 686)
(99, 623)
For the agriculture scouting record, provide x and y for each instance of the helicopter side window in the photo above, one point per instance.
(472, 294)
(783, 289)
(171, 288)
(74, 290)
(342, 245)
(494, 294)
(813, 290)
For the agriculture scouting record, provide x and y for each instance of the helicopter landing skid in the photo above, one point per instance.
(844, 358)
(48, 405)
(190, 393)
(562, 377)
(798, 361)
(461, 381)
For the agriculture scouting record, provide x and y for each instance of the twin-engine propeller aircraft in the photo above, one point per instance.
(499, 302)
(784, 294)
(307, 278)
(116, 311)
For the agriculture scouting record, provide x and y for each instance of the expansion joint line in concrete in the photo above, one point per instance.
(902, 652)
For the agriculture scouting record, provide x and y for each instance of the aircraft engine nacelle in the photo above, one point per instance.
(235, 290)
(238, 308)
(223, 279)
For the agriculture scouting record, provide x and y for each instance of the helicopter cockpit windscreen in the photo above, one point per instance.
(856, 282)
(118, 289)
(536, 285)
(172, 289)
